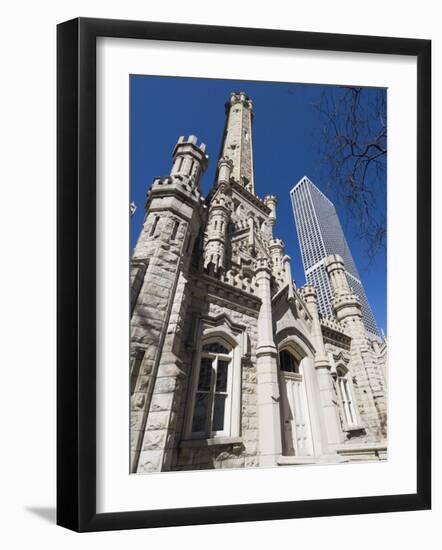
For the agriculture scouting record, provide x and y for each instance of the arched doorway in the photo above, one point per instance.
(297, 433)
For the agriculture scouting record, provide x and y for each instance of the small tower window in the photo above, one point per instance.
(180, 164)
(154, 226)
(136, 360)
(345, 396)
(174, 230)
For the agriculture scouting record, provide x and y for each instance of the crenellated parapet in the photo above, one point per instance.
(242, 99)
(263, 264)
(182, 184)
(189, 159)
(329, 322)
(168, 184)
(276, 247)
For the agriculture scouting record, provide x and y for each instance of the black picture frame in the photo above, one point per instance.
(76, 274)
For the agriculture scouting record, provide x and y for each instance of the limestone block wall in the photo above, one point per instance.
(151, 311)
(240, 451)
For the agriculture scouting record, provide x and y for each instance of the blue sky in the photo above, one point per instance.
(285, 145)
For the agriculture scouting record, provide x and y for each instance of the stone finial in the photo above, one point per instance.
(309, 293)
(225, 161)
(277, 244)
(262, 263)
(270, 201)
(225, 167)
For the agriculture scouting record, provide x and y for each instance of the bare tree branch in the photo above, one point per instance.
(353, 138)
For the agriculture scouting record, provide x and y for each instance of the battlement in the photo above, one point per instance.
(180, 183)
(276, 243)
(242, 98)
(268, 199)
(349, 297)
(191, 140)
(333, 324)
(308, 290)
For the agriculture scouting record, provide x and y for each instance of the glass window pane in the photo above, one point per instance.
(216, 347)
(221, 375)
(200, 412)
(288, 362)
(218, 412)
(205, 374)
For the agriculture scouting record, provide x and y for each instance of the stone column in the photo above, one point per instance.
(323, 374)
(251, 224)
(270, 202)
(218, 221)
(269, 415)
(288, 274)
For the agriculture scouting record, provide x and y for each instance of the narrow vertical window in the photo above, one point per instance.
(154, 226)
(346, 401)
(136, 284)
(174, 229)
(211, 411)
(137, 359)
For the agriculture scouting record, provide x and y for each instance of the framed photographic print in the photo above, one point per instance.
(243, 274)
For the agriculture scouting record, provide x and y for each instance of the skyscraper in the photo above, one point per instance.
(320, 234)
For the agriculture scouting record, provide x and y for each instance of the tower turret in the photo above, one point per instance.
(189, 159)
(175, 212)
(364, 365)
(238, 139)
(218, 220)
(270, 201)
(276, 247)
(346, 303)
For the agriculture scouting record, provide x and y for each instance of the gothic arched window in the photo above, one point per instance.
(213, 392)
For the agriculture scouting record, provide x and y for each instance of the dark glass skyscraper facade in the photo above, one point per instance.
(320, 234)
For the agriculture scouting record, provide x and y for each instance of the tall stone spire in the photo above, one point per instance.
(237, 144)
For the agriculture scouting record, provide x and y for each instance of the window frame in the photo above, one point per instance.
(233, 390)
(209, 432)
(344, 385)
